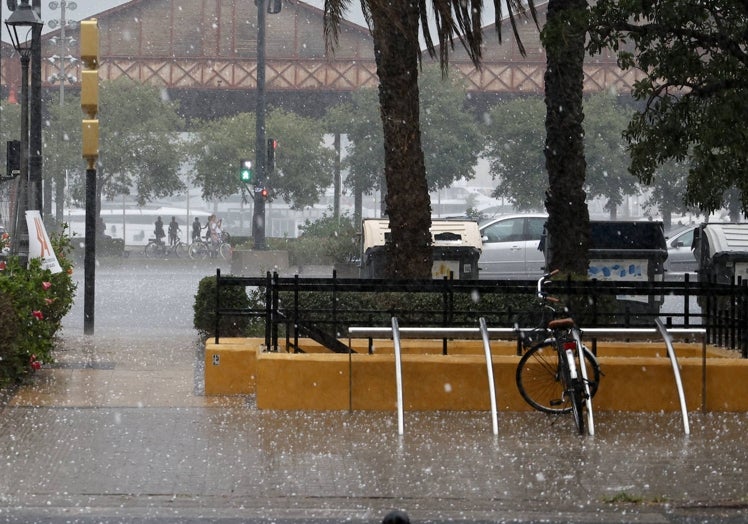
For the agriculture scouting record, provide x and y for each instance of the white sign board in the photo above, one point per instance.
(630, 270)
(39, 244)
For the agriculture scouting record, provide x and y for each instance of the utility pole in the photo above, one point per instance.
(258, 219)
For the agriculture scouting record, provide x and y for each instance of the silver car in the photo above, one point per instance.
(510, 247)
(680, 255)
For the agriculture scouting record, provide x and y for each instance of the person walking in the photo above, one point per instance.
(174, 229)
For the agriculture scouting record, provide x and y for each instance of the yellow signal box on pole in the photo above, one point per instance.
(90, 90)
(90, 43)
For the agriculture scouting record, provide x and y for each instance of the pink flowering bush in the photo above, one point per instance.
(33, 302)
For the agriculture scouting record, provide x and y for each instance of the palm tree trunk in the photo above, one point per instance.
(568, 226)
(395, 33)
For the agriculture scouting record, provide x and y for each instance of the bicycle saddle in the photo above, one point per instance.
(561, 323)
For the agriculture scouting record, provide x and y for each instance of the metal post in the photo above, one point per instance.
(89, 258)
(21, 231)
(35, 117)
(258, 221)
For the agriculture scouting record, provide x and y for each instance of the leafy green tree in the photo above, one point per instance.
(61, 147)
(360, 121)
(452, 140)
(693, 55)
(514, 145)
(138, 151)
(303, 165)
(216, 149)
(607, 159)
(395, 28)
(668, 190)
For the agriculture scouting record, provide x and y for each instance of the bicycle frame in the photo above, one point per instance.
(574, 359)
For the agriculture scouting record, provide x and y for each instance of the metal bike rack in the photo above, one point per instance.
(676, 373)
(398, 375)
(667, 335)
(583, 371)
(397, 333)
(485, 333)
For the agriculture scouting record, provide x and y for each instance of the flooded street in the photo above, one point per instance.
(119, 431)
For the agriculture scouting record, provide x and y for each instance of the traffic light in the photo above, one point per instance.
(264, 193)
(13, 158)
(245, 170)
(272, 145)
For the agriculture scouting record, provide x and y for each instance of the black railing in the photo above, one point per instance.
(323, 308)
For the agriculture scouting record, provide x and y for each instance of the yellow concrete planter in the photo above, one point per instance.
(637, 377)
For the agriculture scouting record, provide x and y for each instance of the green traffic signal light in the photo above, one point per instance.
(245, 170)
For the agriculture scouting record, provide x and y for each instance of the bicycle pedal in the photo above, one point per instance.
(557, 402)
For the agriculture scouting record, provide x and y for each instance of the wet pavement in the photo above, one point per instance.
(119, 431)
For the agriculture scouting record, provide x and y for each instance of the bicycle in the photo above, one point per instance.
(156, 247)
(201, 249)
(550, 375)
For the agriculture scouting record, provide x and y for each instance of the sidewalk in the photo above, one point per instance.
(119, 431)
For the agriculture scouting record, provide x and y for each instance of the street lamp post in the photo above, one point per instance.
(23, 24)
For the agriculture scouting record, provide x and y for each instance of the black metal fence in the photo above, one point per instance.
(323, 308)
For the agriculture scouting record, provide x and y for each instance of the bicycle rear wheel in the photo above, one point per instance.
(180, 249)
(539, 378)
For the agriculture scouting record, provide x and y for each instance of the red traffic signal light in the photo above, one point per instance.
(264, 193)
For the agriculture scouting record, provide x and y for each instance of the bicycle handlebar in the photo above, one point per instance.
(545, 279)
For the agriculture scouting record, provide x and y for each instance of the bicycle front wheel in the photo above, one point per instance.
(540, 382)
(225, 250)
(198, 250)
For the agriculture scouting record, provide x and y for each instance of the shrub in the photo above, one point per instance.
(33, 302)
(204, 319)
(326, 240)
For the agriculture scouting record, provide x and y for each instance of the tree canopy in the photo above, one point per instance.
(452, 141)
(694, 90)
(303, 165)
(515, 138)
(138, 150)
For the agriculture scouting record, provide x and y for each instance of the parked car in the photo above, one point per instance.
(510, 247)
(680, 252)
